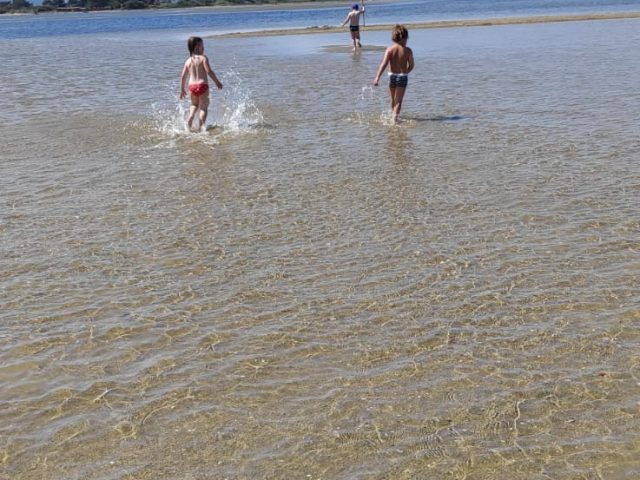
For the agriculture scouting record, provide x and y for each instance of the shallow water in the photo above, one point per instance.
(205, 21)
(306, 291)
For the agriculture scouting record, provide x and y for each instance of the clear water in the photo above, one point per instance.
(305, 290)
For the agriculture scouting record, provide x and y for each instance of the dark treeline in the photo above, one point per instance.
(24, 6)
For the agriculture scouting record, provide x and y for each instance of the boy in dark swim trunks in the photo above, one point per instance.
(399, 58)
(197, 68)
(354, 24)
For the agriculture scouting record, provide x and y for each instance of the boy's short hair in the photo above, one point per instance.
(399, 33)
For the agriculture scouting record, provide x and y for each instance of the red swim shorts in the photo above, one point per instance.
(197, 89)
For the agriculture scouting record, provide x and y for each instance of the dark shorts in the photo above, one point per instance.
(398, 80)
(354, 28)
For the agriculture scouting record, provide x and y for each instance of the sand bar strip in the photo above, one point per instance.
(480, 22)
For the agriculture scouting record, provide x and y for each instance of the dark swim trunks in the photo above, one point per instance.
(354, 28)
(197, 89)
(398, 80)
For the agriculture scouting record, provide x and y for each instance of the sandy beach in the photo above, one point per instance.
(483, 22)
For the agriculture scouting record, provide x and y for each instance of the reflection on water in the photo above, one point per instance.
(308, 291)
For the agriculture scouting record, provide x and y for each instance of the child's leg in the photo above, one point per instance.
(397, 101)
(354, 39)
(358, 38)
(193, 108)
(204, 109)
(392, 94)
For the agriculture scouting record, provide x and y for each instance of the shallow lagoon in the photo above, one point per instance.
(308, 291)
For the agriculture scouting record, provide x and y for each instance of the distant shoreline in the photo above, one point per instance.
(222, 7)
(480, 22)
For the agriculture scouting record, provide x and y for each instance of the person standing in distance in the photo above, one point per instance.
(353, 17)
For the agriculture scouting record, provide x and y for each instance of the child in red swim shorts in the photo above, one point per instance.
(197, 68)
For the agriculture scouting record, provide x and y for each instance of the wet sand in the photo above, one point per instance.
(480, 22)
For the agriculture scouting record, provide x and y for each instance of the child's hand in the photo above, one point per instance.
(375, 82)
(182, 94)
(219, 85)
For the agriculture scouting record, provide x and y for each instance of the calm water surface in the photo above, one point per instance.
(305, 291)
(207, 21)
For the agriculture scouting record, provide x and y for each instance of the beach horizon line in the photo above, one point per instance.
(479, 22)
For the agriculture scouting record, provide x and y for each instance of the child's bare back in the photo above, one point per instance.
(197, 70)
(400, 58)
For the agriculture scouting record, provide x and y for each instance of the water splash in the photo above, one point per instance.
(387, 119)
(367, 93)
(240, 112)
(372, 107)
(231, 110)
(168, 117)
(173, 122)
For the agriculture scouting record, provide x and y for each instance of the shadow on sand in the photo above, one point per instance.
(437, 118)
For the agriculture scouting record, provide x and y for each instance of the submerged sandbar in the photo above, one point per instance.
(480, 22)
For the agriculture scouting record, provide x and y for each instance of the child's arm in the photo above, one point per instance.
(183, 77)
(209, 71)
(382, 67)
(346, 20)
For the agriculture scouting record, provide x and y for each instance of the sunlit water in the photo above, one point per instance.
(174, 22)
(305, 290)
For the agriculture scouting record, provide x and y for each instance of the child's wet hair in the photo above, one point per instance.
(192, 43)
(399, 33)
